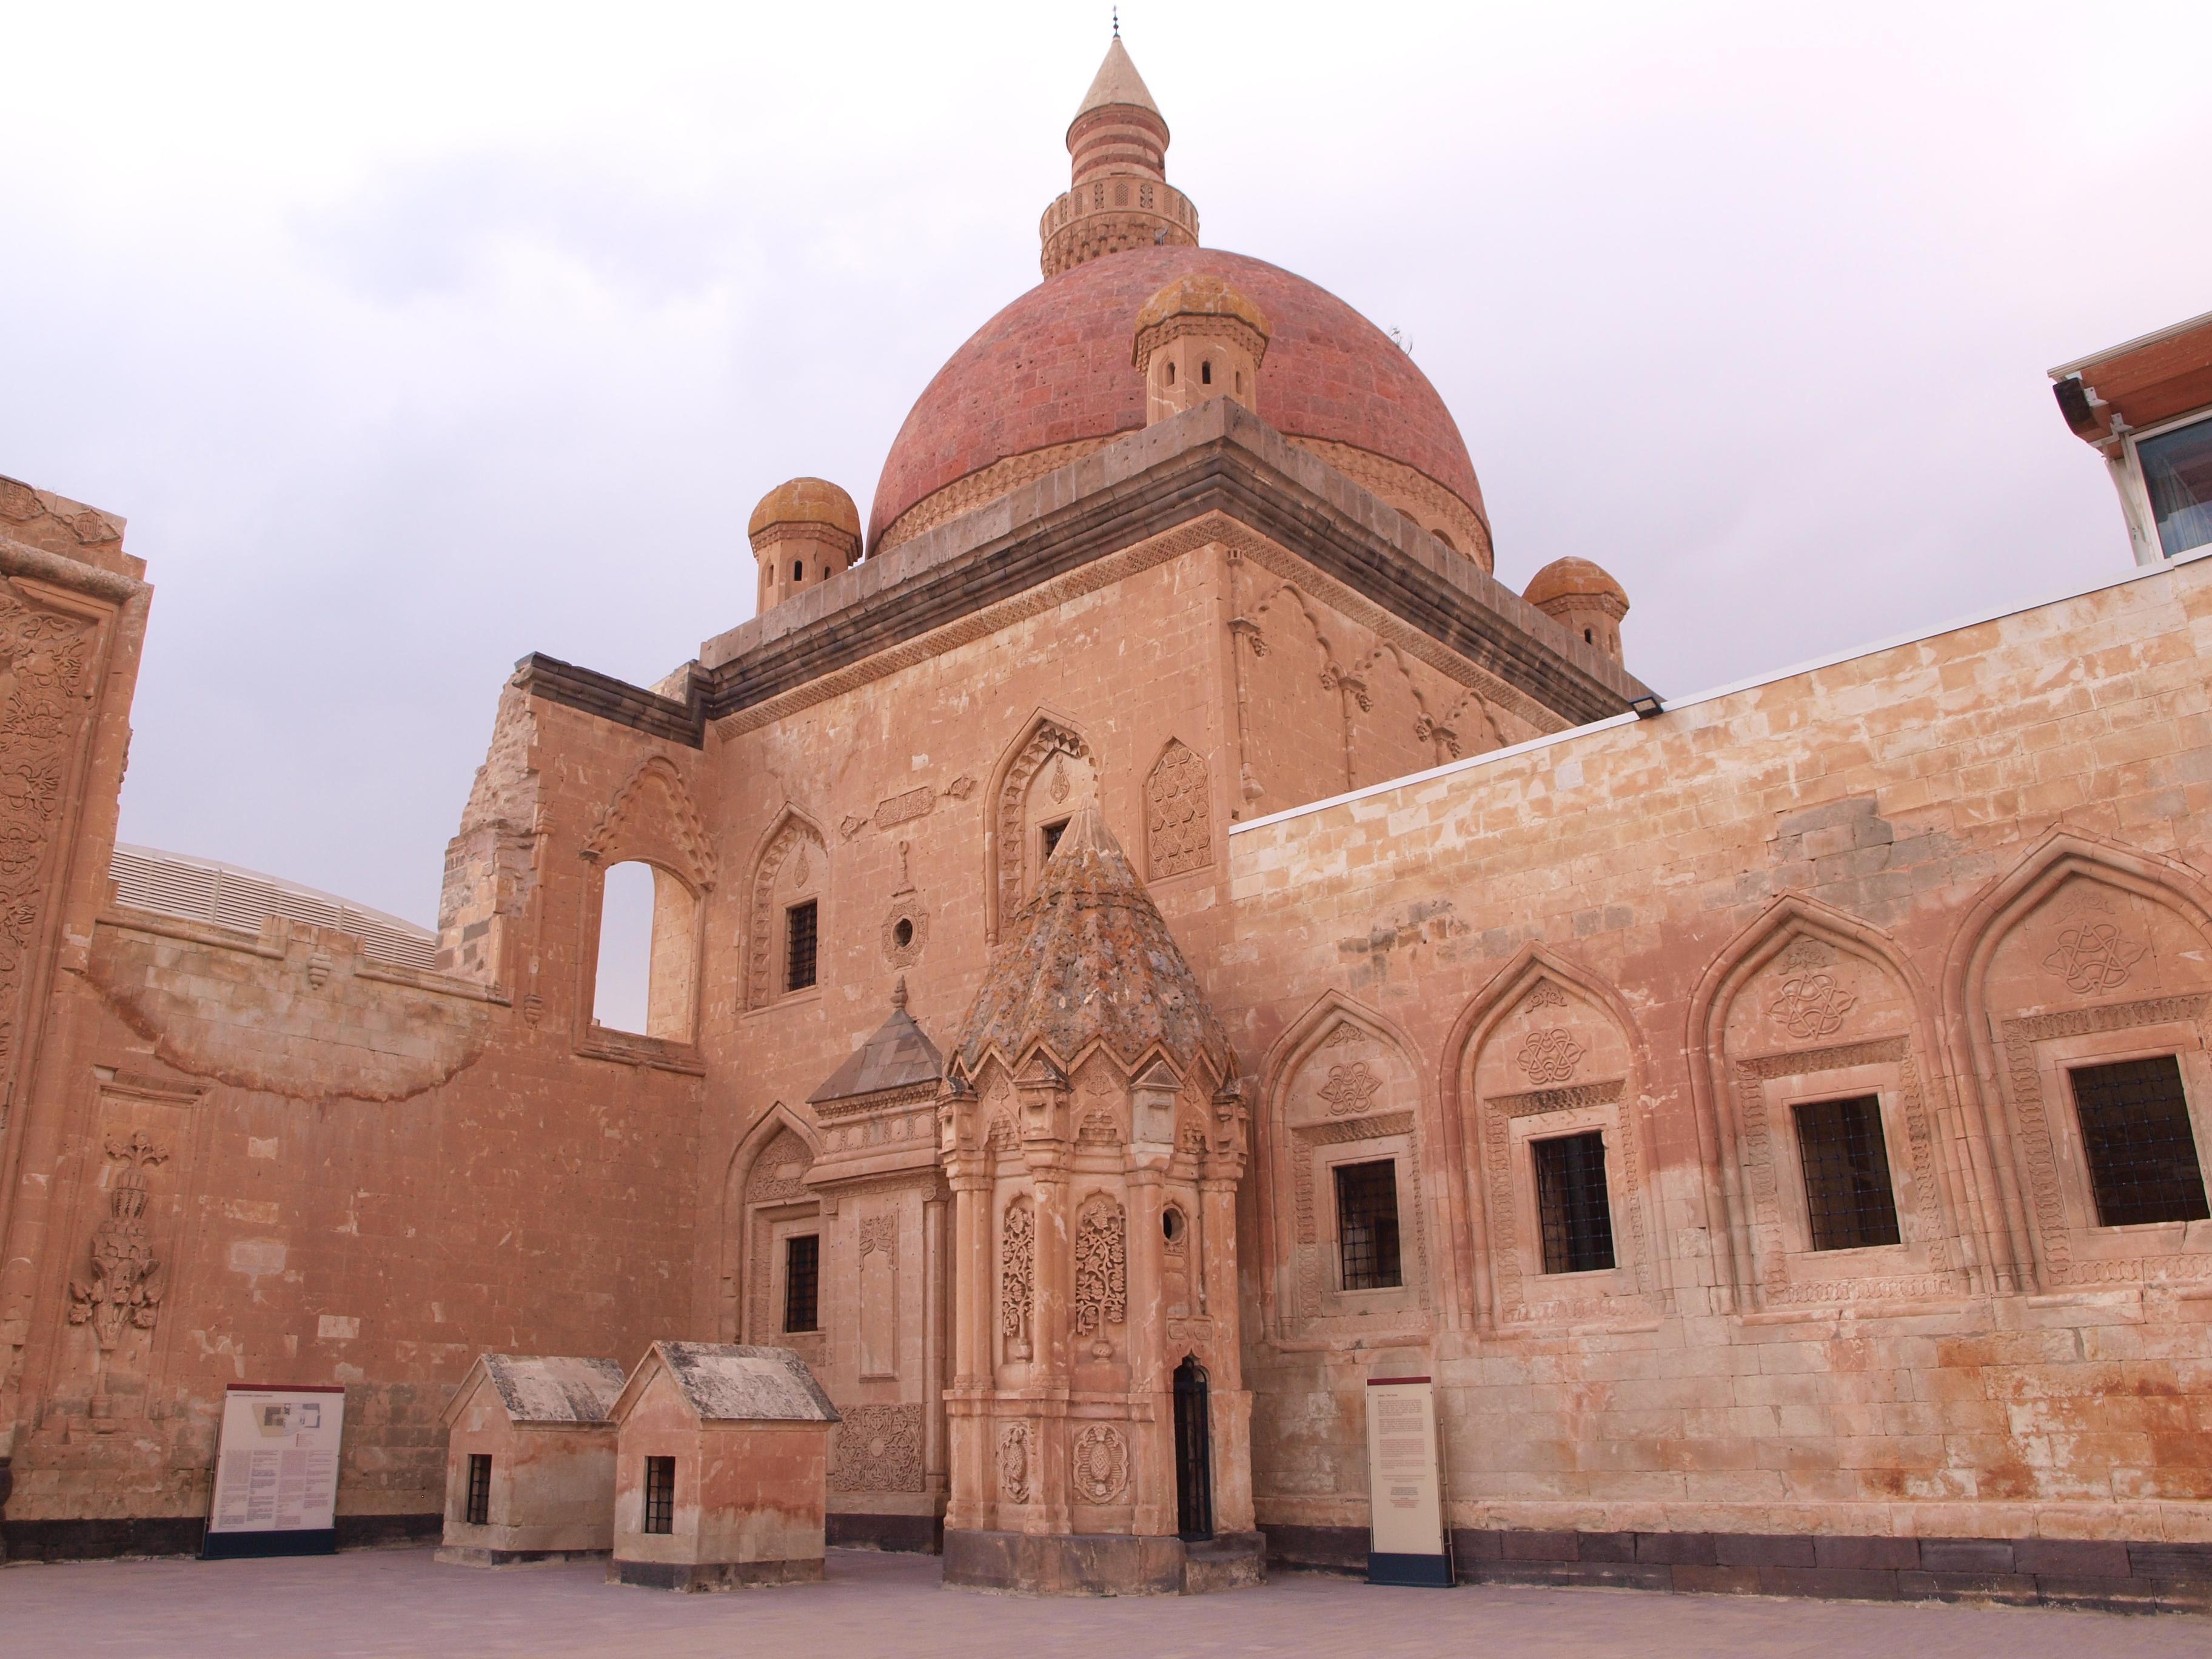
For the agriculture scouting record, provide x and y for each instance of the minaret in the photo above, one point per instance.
(1118, 197)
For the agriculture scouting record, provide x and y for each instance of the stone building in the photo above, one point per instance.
(1167, 904)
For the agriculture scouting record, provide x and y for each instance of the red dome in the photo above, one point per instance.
(1054, 367)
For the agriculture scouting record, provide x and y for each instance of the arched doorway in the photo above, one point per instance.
(1193, 1453)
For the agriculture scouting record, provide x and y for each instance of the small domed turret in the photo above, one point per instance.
(803, 532)
(1198, 338)
(1583, 599)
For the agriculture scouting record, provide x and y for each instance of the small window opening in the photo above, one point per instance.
(1206, 373)
(1571, 1199)
(1171, 370)
(1588, 638)
(2143, 1156)
(902, 933)
(1847, 1192)
(802, 1283)
(1052, 833)
(479, 1511)
(1240, 382)
(1367, 1224)
(660, 1494)
(800, 942)
(1171, 1223)
(798, 570)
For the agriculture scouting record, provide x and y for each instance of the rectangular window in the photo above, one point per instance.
(2136, 1134)
(1846, 1173)
(1367, 1224)
(479, 1489)
(799, 946)
(802, 1283)
(2177, 471)
(1052, 833)
(1571, 1198)
(660, 1494)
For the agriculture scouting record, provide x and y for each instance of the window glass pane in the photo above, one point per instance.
(1847, 1192)
(479, 1511)
(802, 1283)
(1570, 1197)
(1367, 1224)
(2177, 469)
(659, 1494)
(799, 946)
(2136, 1135)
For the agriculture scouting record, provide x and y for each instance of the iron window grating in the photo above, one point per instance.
(2137, 1137)
(1846, 1162)
(660, 1494)
(1052, 833)
(800, 941)
(479, 1511)
(1572, 1203)
(802, 1283)
(1367, 1224)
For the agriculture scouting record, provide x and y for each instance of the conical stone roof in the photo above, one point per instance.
(1118, 82)
(1091, 960)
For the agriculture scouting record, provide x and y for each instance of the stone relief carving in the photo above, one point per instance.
(2094, 956)
(1052, 743)
(1806, 955)
(1305, 1139)
(880, 1233)
(1346, 1035)
(1544, 994)
(1099, 1462)
(1812, 1005)
(1498, 1112)
(794, 840)
(1178, 807)
(905, 808)
(914, 921)
(1350, 1089)
(1014, 1462)
(878, 1449)
(1101, 1272)
(124, 1288)
(1017, 1265)
(960, 788)
(1550, 1055)
(654, 807)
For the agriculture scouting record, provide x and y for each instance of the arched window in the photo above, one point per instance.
(798, 570)
(1171, 371)
(648, 928)
(1206, 373)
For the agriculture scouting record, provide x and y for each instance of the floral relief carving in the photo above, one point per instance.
(1812, 1005)
(1099, 1463)
(1101, 1272)
(2093, 956)
(1014, 1462)
(880, 1233)
(1350, 1089)
(1544, 994)
(124, 1286)
(878, 1449)
(1016, 1267)
(1550, 1055)
(1179, 833)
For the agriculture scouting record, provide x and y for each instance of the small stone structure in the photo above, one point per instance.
(722, 1455)
(530, 1461)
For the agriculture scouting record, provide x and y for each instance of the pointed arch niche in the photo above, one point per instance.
(792, 867)
(1809, 1006)
(2088, 953)
(652, 821)
(1343, 1092)
(1546, 1052)
(766, 1203)
(1040, 780)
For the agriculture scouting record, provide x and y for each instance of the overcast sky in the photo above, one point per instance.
(409, 341)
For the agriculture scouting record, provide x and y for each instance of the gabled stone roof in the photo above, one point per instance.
(1091, 960)
(733, 1382)
(552, 1387)
(898, 1056)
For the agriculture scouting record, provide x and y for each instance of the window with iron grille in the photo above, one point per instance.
(2136, 1134)
(802, 1283)
(479, 1512)
(1847, 1192)
(798, 943)
(1571, 1198)
(1052, 833)
(660, 1494)
(1367, 1224)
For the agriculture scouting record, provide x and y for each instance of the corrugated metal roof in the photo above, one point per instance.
(208, 890)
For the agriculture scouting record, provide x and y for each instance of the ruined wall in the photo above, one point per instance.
(1938, 875)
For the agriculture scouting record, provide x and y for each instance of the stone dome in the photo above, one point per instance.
(806, 501)
(1571, 578)
(1051, 376)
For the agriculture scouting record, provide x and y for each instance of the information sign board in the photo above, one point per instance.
(276, 1472)
(1405, 1541)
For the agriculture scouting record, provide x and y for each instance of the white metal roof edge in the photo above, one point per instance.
(2134, 573)
(398, 924)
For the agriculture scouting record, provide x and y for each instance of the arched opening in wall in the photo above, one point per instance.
(798, 570)
(1441, 536)
(1206, 373)
(648, 927)
(1170, 373)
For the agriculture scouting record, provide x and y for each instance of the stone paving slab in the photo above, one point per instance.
(371, 1603)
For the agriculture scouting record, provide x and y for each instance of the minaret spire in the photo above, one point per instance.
(1118, 197)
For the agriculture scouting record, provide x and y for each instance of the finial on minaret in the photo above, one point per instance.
(1119, 198)
(1117, 22)
(898, 995)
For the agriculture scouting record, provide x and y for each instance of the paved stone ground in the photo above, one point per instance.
(378, 1602)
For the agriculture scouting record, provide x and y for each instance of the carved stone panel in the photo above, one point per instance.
(878, 1449)
(1016, 1270)
(1101, 1273)
(1178, 815)
(1099, 1463)
(879, 1292)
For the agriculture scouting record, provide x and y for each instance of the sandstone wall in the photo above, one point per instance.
(1940, 873)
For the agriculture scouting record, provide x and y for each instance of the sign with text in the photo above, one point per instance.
(1406, 1542)
(276, 1472)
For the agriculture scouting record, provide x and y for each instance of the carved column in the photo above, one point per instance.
(935, 1269)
